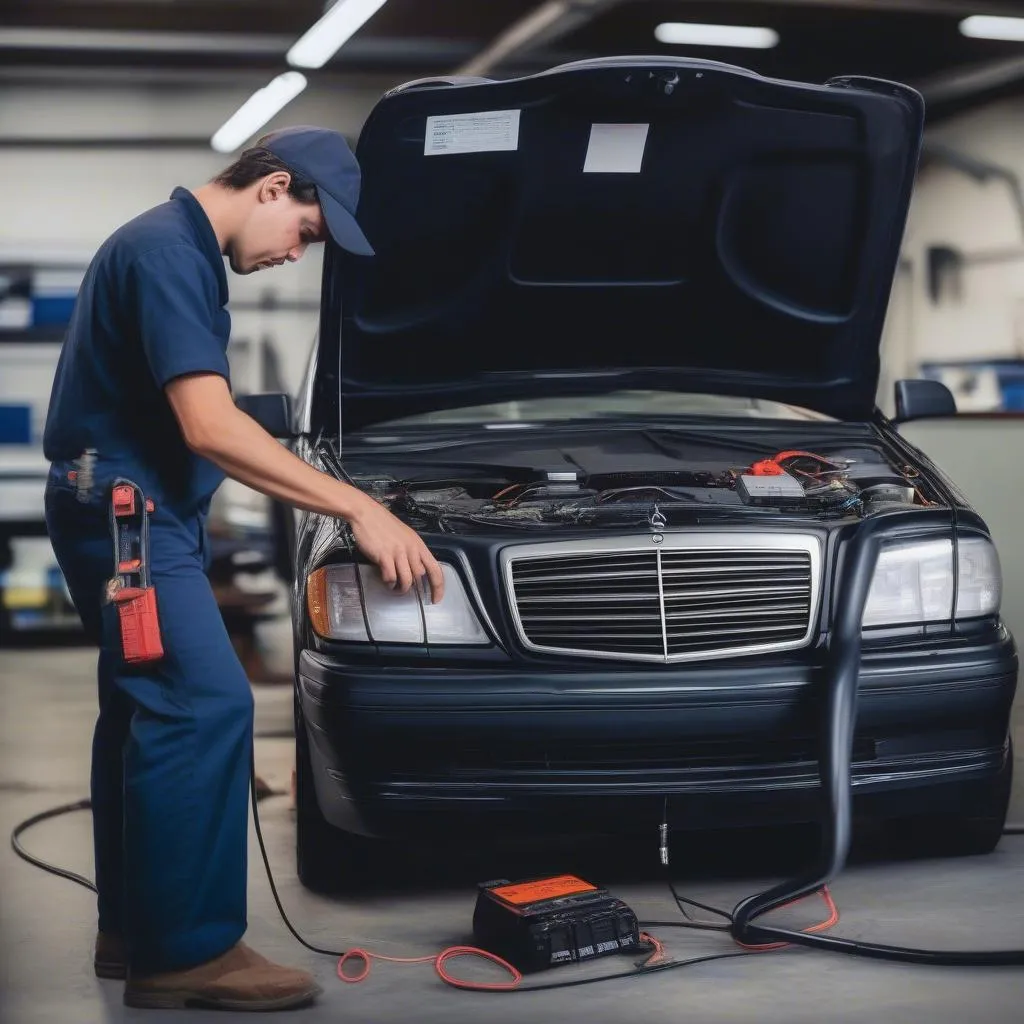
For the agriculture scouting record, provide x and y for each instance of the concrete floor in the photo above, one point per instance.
(46, 713)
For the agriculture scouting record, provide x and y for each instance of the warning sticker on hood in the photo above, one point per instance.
(616, 148)
(489, 131)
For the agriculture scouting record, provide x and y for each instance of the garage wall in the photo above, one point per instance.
(64, 201)
(70, 201)
(981, 314)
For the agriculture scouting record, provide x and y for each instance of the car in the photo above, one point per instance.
(616, 360)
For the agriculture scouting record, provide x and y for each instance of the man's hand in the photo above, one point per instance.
(397, 550)
(215, 428)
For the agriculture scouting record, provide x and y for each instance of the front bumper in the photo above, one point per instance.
(399, 750)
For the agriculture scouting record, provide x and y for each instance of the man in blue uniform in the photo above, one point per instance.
(142, 392)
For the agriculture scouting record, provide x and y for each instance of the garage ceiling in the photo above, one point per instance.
(916, 41)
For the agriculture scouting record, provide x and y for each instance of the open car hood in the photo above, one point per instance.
(628, 222)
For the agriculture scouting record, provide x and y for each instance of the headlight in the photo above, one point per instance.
(914, 582)
(981, 579)
(336, 611)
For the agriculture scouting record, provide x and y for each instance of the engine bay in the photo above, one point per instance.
(610, 479)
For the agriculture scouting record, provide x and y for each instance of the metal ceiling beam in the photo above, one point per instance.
(143, 142)
(963, 83)
(541, 26)
(114, 41)
(41, 45)
(135, 3)
(950, 8)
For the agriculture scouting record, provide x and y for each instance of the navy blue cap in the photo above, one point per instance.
(324, 158)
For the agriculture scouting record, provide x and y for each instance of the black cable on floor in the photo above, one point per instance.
(576, 982)
(55, 812)
(832, 943)
(667, 965)
(270, 877)
(682, 902)
(86, 805)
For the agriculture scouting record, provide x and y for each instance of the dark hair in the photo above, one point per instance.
(256, 163)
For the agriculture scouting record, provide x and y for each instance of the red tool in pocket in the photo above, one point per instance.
(130, 589)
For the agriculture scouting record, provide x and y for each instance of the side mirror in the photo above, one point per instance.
(923, 399)
(273, 412)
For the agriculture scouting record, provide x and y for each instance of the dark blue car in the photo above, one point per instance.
(617, 360)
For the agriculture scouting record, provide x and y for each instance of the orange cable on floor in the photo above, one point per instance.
(439, 961)
(658, 953)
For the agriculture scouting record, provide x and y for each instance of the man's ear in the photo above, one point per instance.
(274, 186)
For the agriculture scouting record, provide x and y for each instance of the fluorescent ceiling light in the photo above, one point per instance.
(257, 110)
(681, 33)
(986, 27)
(331, 32)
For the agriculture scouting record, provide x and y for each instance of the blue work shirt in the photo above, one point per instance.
(150, 309)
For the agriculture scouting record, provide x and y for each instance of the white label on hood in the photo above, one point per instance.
(488, 131)
(616, 148)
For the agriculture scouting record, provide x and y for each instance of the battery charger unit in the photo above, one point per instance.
(544, 922)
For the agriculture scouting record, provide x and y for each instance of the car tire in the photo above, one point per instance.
(328, 860)
(953, 835)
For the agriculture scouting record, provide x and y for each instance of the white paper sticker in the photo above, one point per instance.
(616, 148)
(489, 131)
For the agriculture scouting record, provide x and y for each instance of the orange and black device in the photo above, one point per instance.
(545, 922)
(130, 588)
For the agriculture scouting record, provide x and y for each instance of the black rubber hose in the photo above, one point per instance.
(838, 718)
(901, 954)
(835, 754)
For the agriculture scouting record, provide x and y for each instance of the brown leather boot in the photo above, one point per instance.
(109, 959)
(239, 979)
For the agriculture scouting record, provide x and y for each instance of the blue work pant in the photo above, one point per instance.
(172, 746)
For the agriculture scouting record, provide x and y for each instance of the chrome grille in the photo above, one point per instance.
(692, 596)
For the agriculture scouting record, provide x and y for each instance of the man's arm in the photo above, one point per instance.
(214, 427)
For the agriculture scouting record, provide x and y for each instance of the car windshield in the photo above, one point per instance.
(614, 405)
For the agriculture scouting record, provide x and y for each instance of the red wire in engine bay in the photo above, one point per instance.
(773, 466)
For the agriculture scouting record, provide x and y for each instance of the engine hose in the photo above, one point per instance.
(838, 719)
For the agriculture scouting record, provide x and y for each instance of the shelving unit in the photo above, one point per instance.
(37, 296)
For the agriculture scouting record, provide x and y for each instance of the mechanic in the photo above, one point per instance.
(142, 391)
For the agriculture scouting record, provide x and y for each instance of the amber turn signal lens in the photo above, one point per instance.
(316, 601)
